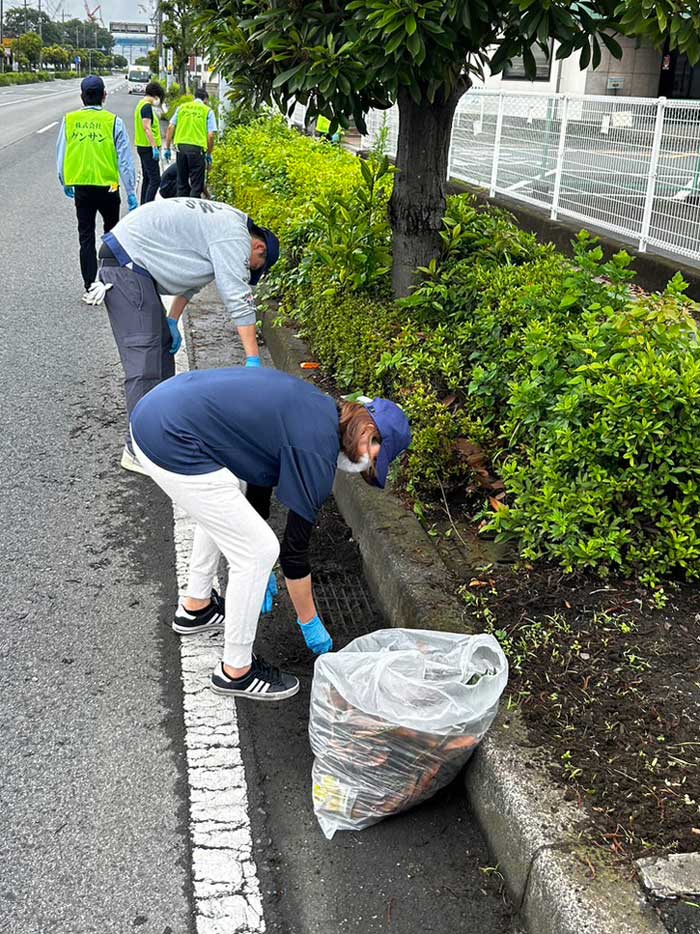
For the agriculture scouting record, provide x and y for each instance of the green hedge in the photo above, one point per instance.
(8, 78)
(23, 77)
(515, 365)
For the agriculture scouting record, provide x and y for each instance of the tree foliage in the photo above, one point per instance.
(343, 58)
(56, 55)
(73, 33)
(20, 19)
(178, 33)
(27, 48)
(659, 20)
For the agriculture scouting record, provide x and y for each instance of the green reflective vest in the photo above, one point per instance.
(191, 126)
(91, 156)
(140, 138)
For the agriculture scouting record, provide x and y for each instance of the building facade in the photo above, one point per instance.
(641, 72)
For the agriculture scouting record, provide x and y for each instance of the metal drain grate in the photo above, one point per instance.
(345, 604)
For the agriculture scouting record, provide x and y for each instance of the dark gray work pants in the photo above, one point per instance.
(137, 317)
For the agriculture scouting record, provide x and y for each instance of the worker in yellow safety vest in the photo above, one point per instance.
(148, 139)
(323, 128)
(193, 126)
(92, 152)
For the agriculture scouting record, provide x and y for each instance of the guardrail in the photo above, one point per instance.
(629, 165)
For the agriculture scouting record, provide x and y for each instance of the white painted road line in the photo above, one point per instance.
(47, 127)
(224, 875)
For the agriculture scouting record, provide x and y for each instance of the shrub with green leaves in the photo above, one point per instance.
(510, 359)
(8, 78)
(277, 175)
(608, 475)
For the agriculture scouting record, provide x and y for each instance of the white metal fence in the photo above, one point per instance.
(629, 165)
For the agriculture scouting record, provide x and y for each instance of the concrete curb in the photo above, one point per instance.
(558, 885)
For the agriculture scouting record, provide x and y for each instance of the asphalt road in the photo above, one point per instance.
(35, 109)
(93, 784)
(92, 789)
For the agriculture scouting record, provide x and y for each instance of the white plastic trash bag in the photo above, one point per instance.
(394, 717)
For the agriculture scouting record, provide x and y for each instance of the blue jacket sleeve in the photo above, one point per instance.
(124, 159)
(61, 150)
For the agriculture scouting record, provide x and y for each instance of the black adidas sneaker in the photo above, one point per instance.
(263, 682)
(211, 617)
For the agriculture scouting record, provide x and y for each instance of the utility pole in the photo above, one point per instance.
(26, 22)
(159, 41)
(2, 47)
(41, 36)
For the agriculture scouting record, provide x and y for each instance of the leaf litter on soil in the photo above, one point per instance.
(607, 676)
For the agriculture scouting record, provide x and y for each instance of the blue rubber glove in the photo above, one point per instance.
(167, 155)
(253, 361)
(316, 636)
(156, 154)
(132, 202)
(270, 594)
(69, 191)
(209, 159)
(174, 334)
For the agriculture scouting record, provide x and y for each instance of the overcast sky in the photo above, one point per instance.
(127, 10)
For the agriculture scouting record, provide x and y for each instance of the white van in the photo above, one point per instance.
(137, 79)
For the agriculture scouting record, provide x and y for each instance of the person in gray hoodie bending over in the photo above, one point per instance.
(176, 247)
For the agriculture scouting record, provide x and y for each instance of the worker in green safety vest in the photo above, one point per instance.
(92, 152)
(323, 128)
(193, 126)
(148, 139)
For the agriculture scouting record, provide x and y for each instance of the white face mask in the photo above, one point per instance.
(348, 466)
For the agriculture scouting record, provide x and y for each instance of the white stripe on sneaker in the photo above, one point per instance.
(252, 686)
(266, 687)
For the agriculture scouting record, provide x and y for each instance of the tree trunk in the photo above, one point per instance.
(417, 204)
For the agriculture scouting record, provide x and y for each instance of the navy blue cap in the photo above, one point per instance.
(395, 432)
(273, 250)
(92, 83)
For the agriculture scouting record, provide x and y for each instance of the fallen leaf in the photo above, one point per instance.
(448, 400)
(496, 505)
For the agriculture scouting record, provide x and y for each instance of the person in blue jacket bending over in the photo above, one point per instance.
(218, 442)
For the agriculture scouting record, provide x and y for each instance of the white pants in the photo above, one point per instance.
(226, 524)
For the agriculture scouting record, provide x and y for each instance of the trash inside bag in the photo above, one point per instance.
(394, 717)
